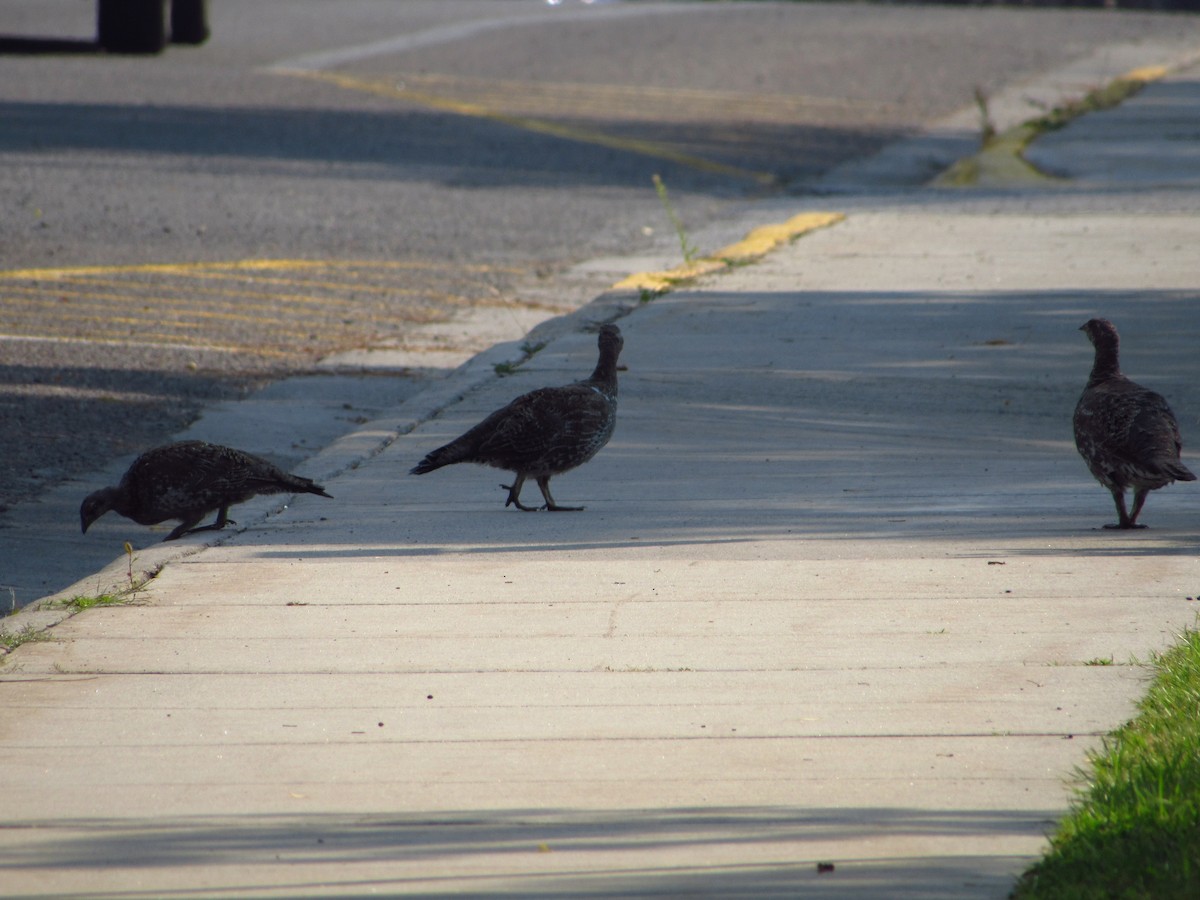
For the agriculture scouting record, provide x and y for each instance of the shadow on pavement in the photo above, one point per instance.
(531, 852)
(893, 416)
(12, 45)
(408, 143)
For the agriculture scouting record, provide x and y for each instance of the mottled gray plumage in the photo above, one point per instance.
(545, 432)
(1126, 433)
(188, 480)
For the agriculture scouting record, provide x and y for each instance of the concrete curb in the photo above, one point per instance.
(913, 162)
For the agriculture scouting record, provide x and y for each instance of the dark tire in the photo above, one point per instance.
(132, 26)
(189, 22)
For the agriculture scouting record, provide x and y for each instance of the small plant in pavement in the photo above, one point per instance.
(987, 128)
(690, 252)
(81, 602)
(11, 640)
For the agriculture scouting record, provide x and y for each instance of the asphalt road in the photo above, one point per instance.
(323, 176)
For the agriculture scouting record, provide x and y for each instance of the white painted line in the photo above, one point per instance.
(444, 34)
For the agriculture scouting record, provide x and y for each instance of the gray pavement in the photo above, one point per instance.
(840, 594)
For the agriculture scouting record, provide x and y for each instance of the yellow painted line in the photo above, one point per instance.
(279, 301)
(169, 342)
(159, 269)
(102, 306)
(759, 242)
(102, 315)
(140, 294)
(538, 126)
(334, 286)
(581, 98)
(198, 269)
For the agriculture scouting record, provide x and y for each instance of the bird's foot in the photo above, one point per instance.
(215, 526)
(554, 507)
(1123, 526)
(513, 501)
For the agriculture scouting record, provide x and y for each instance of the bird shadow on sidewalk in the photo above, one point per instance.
(14, 45)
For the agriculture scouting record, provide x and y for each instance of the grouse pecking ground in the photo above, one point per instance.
(187, 480)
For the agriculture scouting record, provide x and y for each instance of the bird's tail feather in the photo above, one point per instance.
(1180, 472)
(308, 486)
(454, 452)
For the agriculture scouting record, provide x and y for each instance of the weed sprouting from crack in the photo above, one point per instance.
(987, 128)
(11, 640)
(529, 349)
(690, 251)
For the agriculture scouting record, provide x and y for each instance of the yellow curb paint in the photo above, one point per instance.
(1146, 73)
(766, 238)
(538, 126)
(663, 281)
(756, 244)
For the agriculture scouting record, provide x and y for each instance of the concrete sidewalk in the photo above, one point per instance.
(840, 594)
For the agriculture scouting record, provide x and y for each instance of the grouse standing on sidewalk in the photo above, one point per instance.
(545, 432)
(188, 480)
(1126, 433)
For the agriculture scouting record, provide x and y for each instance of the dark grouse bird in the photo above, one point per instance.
(545, 432)
(187, 480)
(1126, 433)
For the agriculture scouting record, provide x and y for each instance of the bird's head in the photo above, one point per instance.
(610, 340)
(1101, 332)
(95, 505)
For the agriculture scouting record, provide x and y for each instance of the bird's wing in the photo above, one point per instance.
(539, 423)
(1153, 430)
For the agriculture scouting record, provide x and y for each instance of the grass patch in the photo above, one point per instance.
(1102, 98)
(1133, 832)
(11, 640)
(82, 602)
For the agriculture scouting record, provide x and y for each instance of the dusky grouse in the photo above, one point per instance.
(187, 480)
(1126, 433)
(545, 432)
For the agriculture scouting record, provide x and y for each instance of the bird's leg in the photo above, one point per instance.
(514, 495)
(222, 520)
(184, 528)
(1123, 518)
(1139, 500)
(551, 506)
